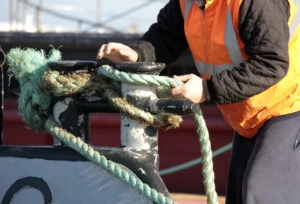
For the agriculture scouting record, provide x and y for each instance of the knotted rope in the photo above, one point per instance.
(30, 68)
(86, 83)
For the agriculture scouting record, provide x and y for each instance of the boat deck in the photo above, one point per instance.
(192, 198)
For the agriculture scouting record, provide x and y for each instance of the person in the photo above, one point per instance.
(247, 55)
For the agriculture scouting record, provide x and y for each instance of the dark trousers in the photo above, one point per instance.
(266, 168)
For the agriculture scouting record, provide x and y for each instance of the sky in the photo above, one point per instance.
(114, 13)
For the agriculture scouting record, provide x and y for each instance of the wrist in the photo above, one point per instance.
(206, 90)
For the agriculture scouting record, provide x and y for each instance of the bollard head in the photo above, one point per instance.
(141, 67)
(67, 66)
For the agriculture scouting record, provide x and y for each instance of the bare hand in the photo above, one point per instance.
(117, 52)
(192, 89)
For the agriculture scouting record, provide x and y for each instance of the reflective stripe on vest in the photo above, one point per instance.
(205, 69)
(296, 19)
(213, 69)
(187, 7)
(249, 115)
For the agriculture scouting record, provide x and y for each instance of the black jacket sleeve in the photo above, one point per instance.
(165, 40)
(264, 30)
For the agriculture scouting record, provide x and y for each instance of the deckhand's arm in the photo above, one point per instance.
(264, 30)
(165, 40)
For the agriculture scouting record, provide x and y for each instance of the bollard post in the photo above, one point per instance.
(65, 109)
(139, 151)
(134, 135)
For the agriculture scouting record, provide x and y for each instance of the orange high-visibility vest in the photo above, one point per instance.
(216, 46)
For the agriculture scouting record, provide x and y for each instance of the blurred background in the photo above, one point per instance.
(88, 16)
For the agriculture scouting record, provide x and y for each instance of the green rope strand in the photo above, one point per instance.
(58, 84)
(143, 79)
(140, 79)
(34, 106)
(28, 66)
(86, 150)
(207, 163)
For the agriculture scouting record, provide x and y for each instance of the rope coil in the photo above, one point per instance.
(37, 114)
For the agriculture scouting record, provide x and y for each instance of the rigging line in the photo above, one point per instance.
(194, 162)
(66, 17)
(124, 13)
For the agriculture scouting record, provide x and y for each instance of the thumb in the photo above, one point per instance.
(176, 92)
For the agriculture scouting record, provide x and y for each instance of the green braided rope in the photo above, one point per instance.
(84, 149)
(28, 66)
(143, 79)
(140, 79)
(58, 84)
(207, 163)
(34, 71)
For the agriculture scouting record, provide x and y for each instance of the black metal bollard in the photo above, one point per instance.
(139, 151)
(65, 109)
(134, 135)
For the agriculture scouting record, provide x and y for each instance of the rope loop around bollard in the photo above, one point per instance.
(208, 173)
(38, 61)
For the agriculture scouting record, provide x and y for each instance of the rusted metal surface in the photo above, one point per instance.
(134, 135)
